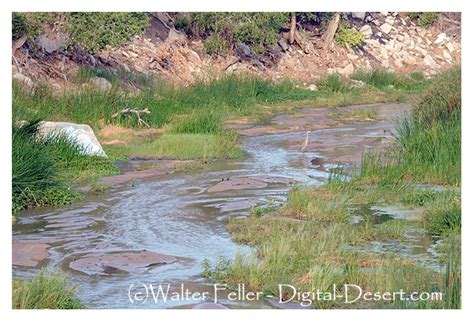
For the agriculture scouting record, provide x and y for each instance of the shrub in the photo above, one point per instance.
(222, 30)
(94, 31)
(426, 19)
(349, 36)
(47, 290)
(29, 24)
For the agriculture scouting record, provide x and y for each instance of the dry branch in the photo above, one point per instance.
(130, 111)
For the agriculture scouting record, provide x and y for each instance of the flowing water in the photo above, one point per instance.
(176, 215)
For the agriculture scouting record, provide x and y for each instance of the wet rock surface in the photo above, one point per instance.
(116, 263)
(29, 252)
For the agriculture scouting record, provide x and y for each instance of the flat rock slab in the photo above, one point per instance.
(28, 252)
(209, 306)
(237, 184)
(116, 263)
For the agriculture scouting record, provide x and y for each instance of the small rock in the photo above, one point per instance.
(282, 42)
(346, 71)
(390, 20)
(357, 83)
(25, 80)
(440, 39)
(450, 47)
(386, 63)
(386, 28)
(358, 15)
(430, 62)
(447, 56)
(366, 30)
(312, 87)
(102, 83)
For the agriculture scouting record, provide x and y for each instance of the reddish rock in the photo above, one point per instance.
(237, 184)
(125, 262)
(28, 252)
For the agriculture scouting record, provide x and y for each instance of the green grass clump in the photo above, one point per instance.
(190, 146)
(333, 83)
(47, 290)
(42, 166)
(382, 79)
(429, 141)
(443, 215)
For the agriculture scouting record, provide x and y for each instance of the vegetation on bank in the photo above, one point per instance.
(43, 168)
(92, 31)
(46, 290)
(313, 242)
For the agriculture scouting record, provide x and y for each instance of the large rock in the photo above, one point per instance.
(358, 15)
(81, 134)
(125, 262)
(386, 28)
(430, 62)
(366, 30)
(28, 252)
(102, 84)
(25, 80)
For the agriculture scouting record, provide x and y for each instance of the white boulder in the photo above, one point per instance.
(81, 134)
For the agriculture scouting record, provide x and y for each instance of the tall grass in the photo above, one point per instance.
(429, 141)
(41, 165)
(226, 95)
(47, 290)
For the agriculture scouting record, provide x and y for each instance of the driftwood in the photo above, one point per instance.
(331, 31)
(130, 111)
(291, 36)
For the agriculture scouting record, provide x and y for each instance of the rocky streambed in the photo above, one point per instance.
(163, 226)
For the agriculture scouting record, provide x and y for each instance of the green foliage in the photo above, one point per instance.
(94, 31)
(47, 290)
(206, 123)
(349, 36)
(426, 18)
(223, 30)
(29, 24)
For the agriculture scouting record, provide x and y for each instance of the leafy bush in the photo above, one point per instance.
(94, 31)
(222, 30)
(47, 290)
(349, 36)
(426, 18)
(29, 24)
